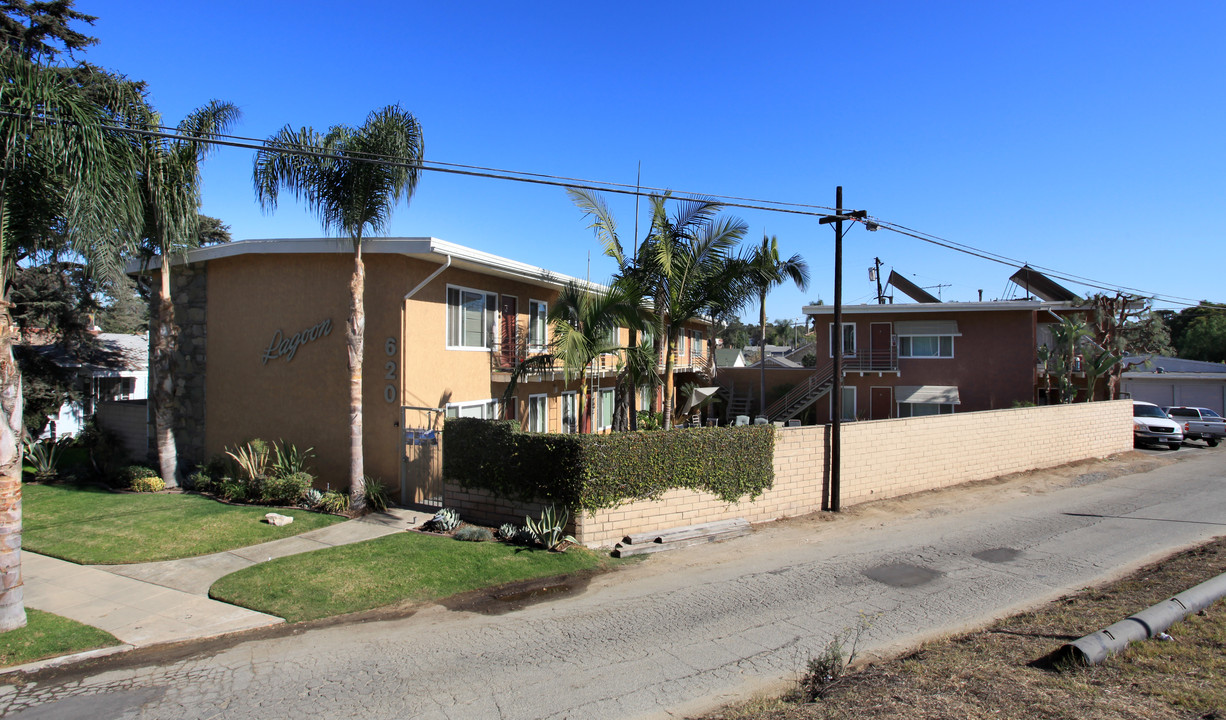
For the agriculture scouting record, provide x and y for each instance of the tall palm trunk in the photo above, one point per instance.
(762, 354)
(12, 605)
(355, 337)
(165, 340)
(12, 594)
(669, 358)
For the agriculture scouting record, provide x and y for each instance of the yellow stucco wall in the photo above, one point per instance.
(304, 400)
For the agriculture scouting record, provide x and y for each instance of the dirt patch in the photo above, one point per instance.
(1004, 671)
(516, 596)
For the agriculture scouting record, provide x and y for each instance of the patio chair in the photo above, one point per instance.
(742, 419)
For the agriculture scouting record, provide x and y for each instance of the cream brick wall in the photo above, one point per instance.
(881, 459)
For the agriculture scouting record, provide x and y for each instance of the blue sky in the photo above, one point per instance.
(1085, 137)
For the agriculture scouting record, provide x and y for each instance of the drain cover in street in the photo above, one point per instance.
(901, 575)
(998, 555)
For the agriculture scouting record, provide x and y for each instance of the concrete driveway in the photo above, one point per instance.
(688, 631)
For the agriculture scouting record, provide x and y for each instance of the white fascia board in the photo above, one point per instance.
(427, 248)
(950, 307)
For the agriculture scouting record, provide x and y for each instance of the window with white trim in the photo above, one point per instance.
(485, 409)
(926, 346)
(538, 413)
(681, 342)
(922, 409)
(471, 318)
(570, 412)
(538, 325)
(848, 411)
(605, 410)
(849, 339)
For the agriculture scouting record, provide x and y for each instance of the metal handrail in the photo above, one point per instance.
(863, 361)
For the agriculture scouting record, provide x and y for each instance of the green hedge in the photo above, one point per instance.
(603, 471)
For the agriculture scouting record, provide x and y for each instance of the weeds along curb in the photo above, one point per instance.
(66, 659)
(1097, 647)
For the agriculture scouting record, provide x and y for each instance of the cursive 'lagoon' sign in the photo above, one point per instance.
(286, 347)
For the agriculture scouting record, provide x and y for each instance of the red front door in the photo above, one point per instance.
(879, 345)
(881, 401)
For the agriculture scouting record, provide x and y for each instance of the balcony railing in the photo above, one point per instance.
(872, 360)
(504, 359)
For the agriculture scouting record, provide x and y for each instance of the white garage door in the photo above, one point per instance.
(1201, 395)
(1160, 394)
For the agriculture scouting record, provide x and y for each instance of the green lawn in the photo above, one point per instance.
(93, 526)
(402, 567)
(46, 635)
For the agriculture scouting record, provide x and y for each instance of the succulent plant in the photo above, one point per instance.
(444, 520)
(311, 497)
(507, 531)
(473, 533)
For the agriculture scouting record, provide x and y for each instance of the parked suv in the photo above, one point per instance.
(1199, 424)
(1151, 426)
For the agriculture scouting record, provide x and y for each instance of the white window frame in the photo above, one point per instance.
(681, 342)
(854, 339)
(489, 411)
(543, 413)
(489, 325)
(573, 398)
(544, 317)
(910, 342)
(600, 396)
(847, 417)
(910, 409)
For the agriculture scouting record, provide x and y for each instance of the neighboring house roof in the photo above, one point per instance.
(776, 350)
(729, 357)
(114, 353)
(799, 353)
(778, 361)
(1162, 364)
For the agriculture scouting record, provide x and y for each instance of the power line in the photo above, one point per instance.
(249, 143)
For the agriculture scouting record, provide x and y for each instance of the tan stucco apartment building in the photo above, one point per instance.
(262, 351)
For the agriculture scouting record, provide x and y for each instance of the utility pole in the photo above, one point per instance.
(877, 277)
(836, 402)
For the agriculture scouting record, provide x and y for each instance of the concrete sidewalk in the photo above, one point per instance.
(164, 602)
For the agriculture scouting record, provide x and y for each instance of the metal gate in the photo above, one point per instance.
(421, 465)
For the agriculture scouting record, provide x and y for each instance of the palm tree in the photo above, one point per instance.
(693, 272)
(169, 183)
(352, 178)
(54, 138)
(772, 271)
(637, 369)
(583, 325)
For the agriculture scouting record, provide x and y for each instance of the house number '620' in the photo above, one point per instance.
(389, 390)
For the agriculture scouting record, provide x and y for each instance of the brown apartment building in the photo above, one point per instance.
(916, 359)
(263, 352)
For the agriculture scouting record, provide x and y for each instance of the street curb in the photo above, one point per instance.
(66, 659)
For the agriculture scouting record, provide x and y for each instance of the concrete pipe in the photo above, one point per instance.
(1097, 647)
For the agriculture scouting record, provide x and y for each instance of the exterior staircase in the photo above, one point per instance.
(734, 405)
(801, 396)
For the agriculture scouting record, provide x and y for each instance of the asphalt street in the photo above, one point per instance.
(687, 631)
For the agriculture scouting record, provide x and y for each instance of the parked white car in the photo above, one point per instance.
(1151, 426)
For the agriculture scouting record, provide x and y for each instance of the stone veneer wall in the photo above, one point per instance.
(881, 459)
(189, 290)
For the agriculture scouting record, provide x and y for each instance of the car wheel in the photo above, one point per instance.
(1211, 442)
(1176, 447)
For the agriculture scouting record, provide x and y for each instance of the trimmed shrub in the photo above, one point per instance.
(132, 473)
(603, 471)
(148, 484)
(285, 490)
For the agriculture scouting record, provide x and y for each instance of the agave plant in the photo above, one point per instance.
(507, 532)
(549, 530)
(444, 520)
(43, 456)
(288, 460)
(252, 459)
